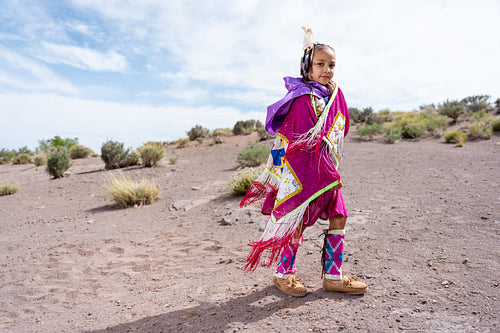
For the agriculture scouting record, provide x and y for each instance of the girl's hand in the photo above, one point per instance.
(338, 187)
(331, 86)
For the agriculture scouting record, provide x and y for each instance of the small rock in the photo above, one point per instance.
(430, 264)
(445, 282)
(225, 221)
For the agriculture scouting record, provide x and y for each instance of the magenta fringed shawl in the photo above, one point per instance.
(302, 166)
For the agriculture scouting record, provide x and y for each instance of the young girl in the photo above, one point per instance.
(300, 183)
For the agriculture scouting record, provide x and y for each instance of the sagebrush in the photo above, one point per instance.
(254, 155)
(58, 162)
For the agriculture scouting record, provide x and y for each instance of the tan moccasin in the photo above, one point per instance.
(348, 285)
(290, 286)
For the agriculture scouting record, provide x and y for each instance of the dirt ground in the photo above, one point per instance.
(423, 233)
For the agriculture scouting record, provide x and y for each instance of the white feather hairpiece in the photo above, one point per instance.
(308, 38)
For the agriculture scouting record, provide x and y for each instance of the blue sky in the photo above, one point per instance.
(135, 71)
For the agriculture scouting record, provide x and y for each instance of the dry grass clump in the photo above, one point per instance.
(239, 183)
(7, 189)
(128, 193)
(457, 137)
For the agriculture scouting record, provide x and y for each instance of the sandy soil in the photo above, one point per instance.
(423, 233)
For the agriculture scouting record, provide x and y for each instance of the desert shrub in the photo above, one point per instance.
(258, 124)
(200, 140)
(21, 159)
(8, 189)
(369, 130)
(58, 162)
(481, 127)
(263, 134)
(482, 116)
(452, 109)
(151, 154)
(40, 160)
(57, 142)
(476, 102)
(385, 115)
(244, 127)
(354, 115)
(221, 132)
(79, 151)
(6, 156)
(182, 142)
(373, 119)
(413, 131)
(435, 124)
(480, 130)
(216, 140)
(495, 125)
(174, 159)
(457, 137)
(197, 132)
(254, 155)
(239, 183)
(128, 193)
(392, 134)
(115, 157)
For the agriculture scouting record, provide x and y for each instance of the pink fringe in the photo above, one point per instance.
(273, 246)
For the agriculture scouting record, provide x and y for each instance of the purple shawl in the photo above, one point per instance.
(296, 87)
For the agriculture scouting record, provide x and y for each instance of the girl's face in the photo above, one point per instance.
(323, 66)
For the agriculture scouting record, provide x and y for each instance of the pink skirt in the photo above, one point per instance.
(328, 204)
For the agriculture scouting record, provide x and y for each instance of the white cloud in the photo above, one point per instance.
(20, 72)
(94, 122)
(83, 58)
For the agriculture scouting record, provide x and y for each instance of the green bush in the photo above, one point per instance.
(221, 132)
(452, 109)
(174, 159)
(354, 115)
(200, 140)
(480, 130)
(40, 160)
(239, 183)
(413, 131)
(58, 162)
(57, 142)
(21, 159)
(183, 142)
(482, 116)
(8, 189)
(79, 151)
(197, 132)
(151, 155)
(476, 102)
(254, 155)
(6, 156)
(263, 134)
(385, 115)
(495, 125)
(115, 157)
(392, 134)
(457, 137)
(369, 130)
(244, 127)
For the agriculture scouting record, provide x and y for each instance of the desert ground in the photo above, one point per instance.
(423, 233)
